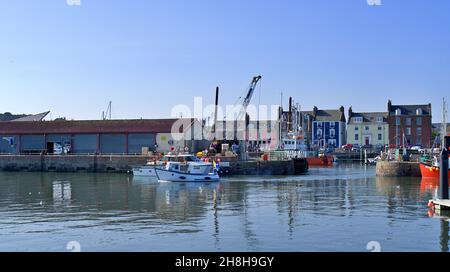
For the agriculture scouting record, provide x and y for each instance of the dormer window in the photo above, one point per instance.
(358, 119)
(398, 112)
(379, 119)
(419, 111)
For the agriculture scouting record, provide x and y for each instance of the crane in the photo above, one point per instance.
(248, 98)
(242, 115)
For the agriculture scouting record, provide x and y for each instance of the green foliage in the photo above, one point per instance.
(7, 116)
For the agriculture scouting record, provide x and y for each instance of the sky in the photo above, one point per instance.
(146, 56)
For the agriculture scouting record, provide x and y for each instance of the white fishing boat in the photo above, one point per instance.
(188, 172)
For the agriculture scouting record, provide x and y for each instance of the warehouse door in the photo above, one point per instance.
(50, 147)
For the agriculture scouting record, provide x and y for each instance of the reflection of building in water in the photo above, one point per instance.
(401, 190)
(62, 192)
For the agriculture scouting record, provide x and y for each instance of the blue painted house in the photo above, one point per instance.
(328, 128)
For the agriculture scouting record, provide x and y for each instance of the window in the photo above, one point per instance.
(380, 128)
(419, 111)
(319, 133)
(380, 137)
(398, 112)
(332, 124)
(358, 119)
(419, 140)
(397, 121)
(356, 128)
(408, 131)
(379, 119)
(408, 121)
(419, 131)
(319, 124)
(367, 128)
(356, 137)
(332, 133)
(419, 121)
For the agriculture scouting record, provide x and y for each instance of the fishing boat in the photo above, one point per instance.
(431, 170)
(188, 172)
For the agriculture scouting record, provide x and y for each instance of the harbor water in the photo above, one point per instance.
(344, 208)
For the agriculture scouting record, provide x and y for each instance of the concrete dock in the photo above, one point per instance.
(440, 204)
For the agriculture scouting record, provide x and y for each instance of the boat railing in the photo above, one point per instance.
(287, 154)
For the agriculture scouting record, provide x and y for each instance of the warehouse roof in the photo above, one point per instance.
(93, 126)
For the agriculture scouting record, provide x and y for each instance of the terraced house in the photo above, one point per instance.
(369, 129)
(328, 128)
(410, 125)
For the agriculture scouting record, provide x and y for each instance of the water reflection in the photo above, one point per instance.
(336, 209)
(444, 234)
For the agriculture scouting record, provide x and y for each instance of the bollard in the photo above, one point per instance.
(444, 174)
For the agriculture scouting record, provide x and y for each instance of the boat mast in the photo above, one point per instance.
(444, 122)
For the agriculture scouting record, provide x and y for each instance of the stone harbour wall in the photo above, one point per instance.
(398, 169)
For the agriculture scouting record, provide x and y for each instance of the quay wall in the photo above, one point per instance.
(398, 169)
(72, 163)
(123, 164)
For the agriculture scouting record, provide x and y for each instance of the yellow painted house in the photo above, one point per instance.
(367, 128)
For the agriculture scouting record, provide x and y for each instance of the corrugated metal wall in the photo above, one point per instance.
(137, 141)
(5, 147)
(32, 143)
(85, 143)
(57, 138)
(112, 144)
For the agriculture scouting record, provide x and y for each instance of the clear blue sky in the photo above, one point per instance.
(147, 55)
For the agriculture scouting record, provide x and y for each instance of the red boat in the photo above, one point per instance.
(320, 161)
(430, 171)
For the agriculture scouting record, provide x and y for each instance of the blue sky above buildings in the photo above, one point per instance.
(147, 55)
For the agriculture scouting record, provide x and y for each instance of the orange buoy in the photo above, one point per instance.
(431, 204)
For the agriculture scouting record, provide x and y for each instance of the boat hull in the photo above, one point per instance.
(320, 161)
(429, 171)
(165, 175)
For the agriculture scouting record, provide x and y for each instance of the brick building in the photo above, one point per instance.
(410, 125)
